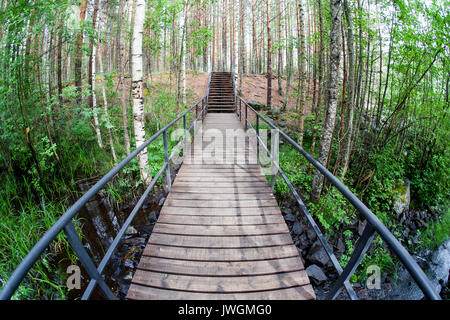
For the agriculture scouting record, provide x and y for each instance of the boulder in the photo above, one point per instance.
(317, 254)
(131, 231)
(255, 105)
(311, 234)
(298, 228)
(316, 274)
(402, 198)
(286, 210)
(275, 112)
(289, 217)
(152, 217)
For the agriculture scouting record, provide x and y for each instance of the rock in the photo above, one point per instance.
(128, 276)
(289, 217)
(340, 246)
(361, 226)
(161, 202)
(402, 198)
(317, 254)
(152, 217)
(316, 274)
(276, 111)
(298, 228)
(145, 229)
(255, 105)
(131, 231)
(282, 124)
(286, 210)
(311, 234)
(129, 264)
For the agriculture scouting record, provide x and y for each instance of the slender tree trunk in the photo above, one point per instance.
(79, 52)
(351, 90)
(138, 90)
(269, 58)
(92, 75)
(280, 51)
(328, 127)
(105, 100)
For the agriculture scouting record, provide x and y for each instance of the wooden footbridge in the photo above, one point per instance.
(220, 233)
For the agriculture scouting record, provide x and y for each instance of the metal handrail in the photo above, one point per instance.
(65, 221)
(374, 225)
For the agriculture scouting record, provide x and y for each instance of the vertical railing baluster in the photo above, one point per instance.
(246, 113)
(86, 261)
(257, 135)
(166, 161)
(275, 140)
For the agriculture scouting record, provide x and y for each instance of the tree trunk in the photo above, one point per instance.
(79, 52)
(138, 90)
(269, 59)
(328, 126)
(351, 90)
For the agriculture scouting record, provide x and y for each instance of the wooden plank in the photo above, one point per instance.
(221, 174)
(138, 292)
(199, 241)
(214, 230)
(221, 203)
(219, 220)
(221, 269)
(211, 254)
(220, 190)
(221, 284)
(223, 211)
(224, 196)
(219, 184)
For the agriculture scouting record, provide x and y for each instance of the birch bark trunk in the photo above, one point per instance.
(138, 90)
(330, 119)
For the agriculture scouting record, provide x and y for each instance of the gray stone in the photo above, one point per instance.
(161, 202)
(340, 246)
(311, 234)
(286, 210)
(402, 198)
(317, 254)
(129, 264)
(289, 217)
(131, 231)
(152, 217)
(276, 111)
(298, 228)
(361, 226)
(255, 105)
(316, 274)
(282, 124)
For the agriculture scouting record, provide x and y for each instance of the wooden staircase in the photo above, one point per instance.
(221, 97)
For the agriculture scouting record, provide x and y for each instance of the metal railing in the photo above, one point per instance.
(373, 226)
(65, 223)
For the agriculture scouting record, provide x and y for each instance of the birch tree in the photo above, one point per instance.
(333, 88)
(138, 89)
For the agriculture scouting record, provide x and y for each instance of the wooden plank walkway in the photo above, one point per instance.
(220, 233)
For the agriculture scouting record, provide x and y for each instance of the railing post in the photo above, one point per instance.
(166, 160)
(196, 110)
(275, 141)
(257, 135)
(246, 112)
(240, 112)
(361, 247)
(77, 245)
